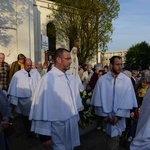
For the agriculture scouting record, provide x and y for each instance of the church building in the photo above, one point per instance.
(25, 27)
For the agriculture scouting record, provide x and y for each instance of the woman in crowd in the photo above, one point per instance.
(142, 89)
(17, 65)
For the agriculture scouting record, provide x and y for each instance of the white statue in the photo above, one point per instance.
(74, 66)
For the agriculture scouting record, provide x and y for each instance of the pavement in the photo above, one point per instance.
(92, 140)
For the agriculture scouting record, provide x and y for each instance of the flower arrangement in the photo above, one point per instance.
(87, 113)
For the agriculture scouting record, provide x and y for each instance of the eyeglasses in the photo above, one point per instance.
(69, 58)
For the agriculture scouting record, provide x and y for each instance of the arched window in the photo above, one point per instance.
(51, 33)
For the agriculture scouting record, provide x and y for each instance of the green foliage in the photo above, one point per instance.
(138, 55)
(87, 113)
(91, 21)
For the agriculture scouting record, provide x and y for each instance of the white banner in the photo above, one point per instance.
(44, 42)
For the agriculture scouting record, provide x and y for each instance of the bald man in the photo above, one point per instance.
(21, 90)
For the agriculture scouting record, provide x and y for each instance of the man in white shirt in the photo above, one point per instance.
(113, 97)
(54, 111)
(21, 91)
(87, 77)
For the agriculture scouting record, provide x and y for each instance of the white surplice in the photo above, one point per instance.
(141, 140)
(21, 90)
(55, 107)
(114, 97)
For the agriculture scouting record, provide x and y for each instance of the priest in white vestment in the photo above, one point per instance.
(55, 106)
(21, 90)
(113, 98)
(141, 140)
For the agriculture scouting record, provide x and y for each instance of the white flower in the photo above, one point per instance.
(82, 108)
(83, 96)
(81, 90)
(89, 94)
(88, 101)
(84, 93)
(87, 113)
(90, 109)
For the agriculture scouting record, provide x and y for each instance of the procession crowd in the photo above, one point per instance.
(46, 96)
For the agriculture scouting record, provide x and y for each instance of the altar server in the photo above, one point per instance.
(54, 111)
(21, 90)
(113, 98)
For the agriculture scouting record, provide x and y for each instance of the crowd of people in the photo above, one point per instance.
(47, 98)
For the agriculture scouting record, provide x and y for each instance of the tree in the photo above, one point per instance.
(138, 55)
(90, 21)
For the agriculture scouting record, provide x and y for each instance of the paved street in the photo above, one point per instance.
(93, 140)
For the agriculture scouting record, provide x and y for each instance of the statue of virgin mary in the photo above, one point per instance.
(74, 66)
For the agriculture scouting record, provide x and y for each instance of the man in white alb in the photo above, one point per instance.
(54, 111)
(113, 97)
(21, 91)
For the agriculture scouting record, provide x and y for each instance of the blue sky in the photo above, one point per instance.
(132, 25)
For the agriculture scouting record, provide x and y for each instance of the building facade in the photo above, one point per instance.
(108, 55)
(24, 22)
(21, 26)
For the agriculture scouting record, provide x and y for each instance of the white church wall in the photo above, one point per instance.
(16, 28)
(26, 29)
(21, 26)
(44, 10)
(8, 30)
(41, 21)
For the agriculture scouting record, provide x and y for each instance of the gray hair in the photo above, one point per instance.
(98, 68)
(146, 73)
(89, 65)
(127, 73)
(134, 72)
(146, 79)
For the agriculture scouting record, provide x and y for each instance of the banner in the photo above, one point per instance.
(44, 42)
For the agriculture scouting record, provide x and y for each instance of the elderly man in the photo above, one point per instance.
(21, 90)
(134, 78)
(55, 117)
(4, 72)
(113, 97)
(86, 77)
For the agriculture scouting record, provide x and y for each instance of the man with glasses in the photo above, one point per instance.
(54, 111)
